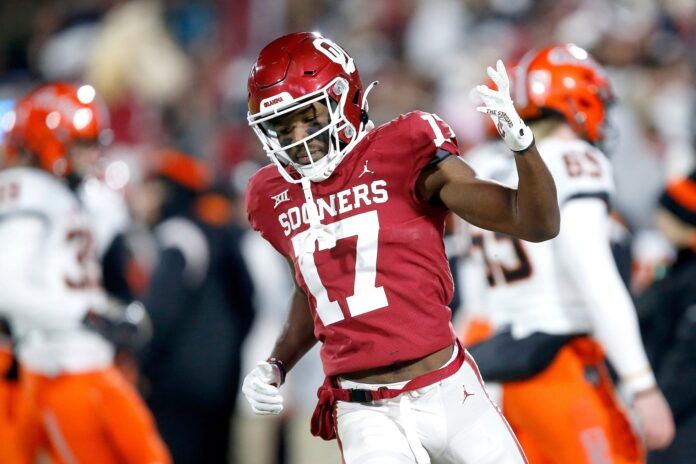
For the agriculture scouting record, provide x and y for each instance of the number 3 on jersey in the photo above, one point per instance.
(366, 295)
(85, 276)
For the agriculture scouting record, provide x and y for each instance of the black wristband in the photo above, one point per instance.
(281, 367)
(521, 152)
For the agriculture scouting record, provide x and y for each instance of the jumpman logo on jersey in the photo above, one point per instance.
(365, 170)
(280, 198)
(466, 394)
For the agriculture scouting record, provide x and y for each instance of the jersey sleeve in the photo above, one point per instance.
(258, 218)
(579, 169)
(584, 252)
(432, 140)
(252, 203)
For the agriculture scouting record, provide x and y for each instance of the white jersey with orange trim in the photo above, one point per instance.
(527, 287)
(569, 284)
(49, 274)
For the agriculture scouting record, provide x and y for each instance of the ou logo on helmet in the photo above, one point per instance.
(335, 54)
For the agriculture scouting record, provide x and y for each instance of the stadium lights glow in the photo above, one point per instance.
(82, 118)
(86, 94)
(117, 174)
(52, 119)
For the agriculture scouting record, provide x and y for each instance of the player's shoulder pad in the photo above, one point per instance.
(184, 235)
(422, 129)
(429, 128)
(579, 169)
(265, 183)
(33, 191)
(261, 180)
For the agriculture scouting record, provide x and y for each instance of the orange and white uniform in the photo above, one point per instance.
(72, 400)
(569, 289)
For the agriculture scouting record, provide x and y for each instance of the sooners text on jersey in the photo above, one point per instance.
(380, 295)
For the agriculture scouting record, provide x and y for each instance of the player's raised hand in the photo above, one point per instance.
(499, 106)
(260, 388)
(655, 418)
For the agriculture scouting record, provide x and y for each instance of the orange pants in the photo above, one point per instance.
(94, 417)
(568, 414)
(10, 451)
(474, 330)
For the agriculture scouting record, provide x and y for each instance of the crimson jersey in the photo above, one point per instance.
(380, 295)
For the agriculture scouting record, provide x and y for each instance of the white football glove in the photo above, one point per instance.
(517, 135)
(260, 388)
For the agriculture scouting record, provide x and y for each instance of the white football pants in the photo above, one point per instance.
(450, 421)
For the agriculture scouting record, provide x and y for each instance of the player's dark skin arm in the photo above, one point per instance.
(529, 213)
(297, 336)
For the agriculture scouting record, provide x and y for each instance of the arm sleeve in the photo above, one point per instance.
(255, 212)
(22, 297)
(432, 140)
(583, 244)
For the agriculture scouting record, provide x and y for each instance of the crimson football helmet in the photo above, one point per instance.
(301, 69)
(565, 80)
(53, 117)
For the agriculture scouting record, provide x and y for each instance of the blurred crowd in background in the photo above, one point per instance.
(173, 76)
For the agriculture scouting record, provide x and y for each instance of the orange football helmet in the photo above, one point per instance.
(565, 80)
(181, 168)
(53, 117)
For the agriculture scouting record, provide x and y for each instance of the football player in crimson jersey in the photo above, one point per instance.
(558, 306)
(359, 214)
(73, 401)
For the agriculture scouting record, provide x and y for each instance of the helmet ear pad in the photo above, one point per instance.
(352, 111)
